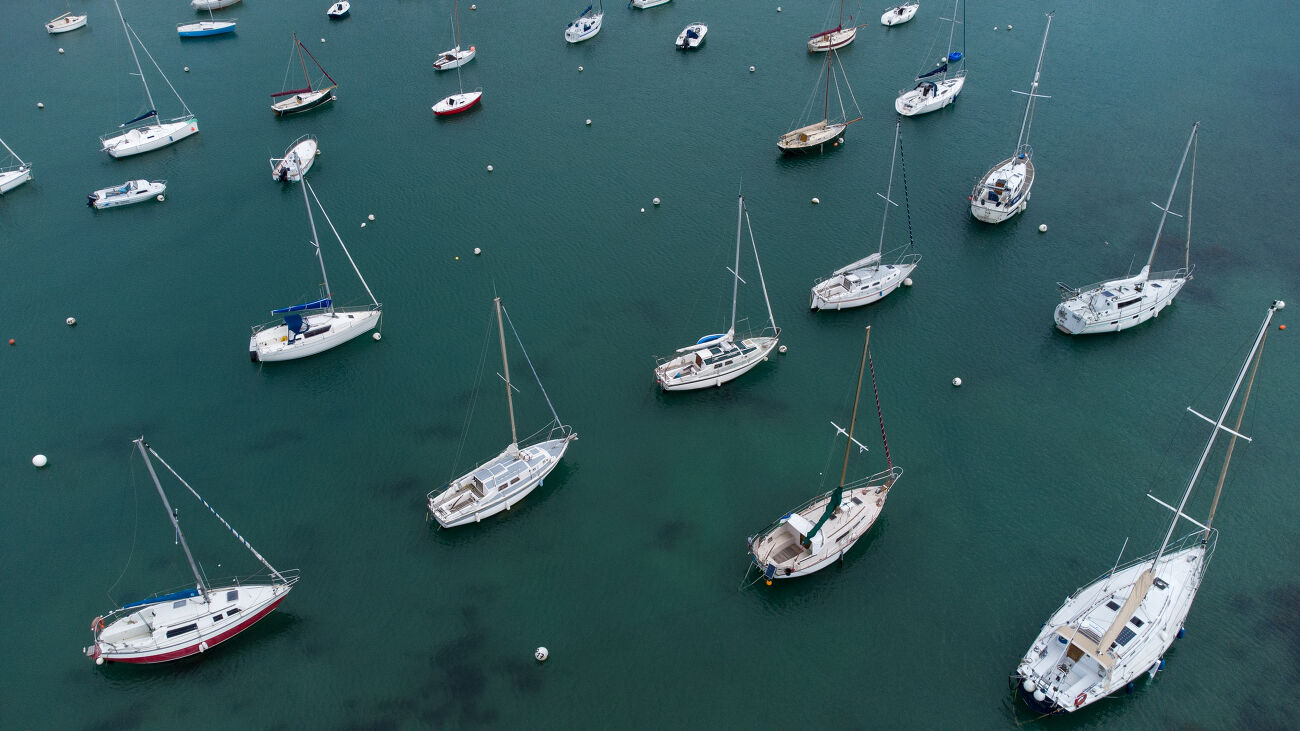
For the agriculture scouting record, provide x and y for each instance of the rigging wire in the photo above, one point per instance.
(473, 399)
(135, 529)
(530, 366)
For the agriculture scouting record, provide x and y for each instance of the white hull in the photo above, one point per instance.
(713, 366)
(134, 191)
(1117, 305)
(814, 135)
(271, 342)
(831, 41)
(899, 14)
(584, 28)
(930, 96)
(498, 484)
(66, 23)
(339, 9)
(11, 179)
(1003, 191)
(205, 28)
(643, 4)
(686, 42)
(150, 137)
(457, 103)
(297, 160)
(1065, 667)
(303, 102)
(211, 4)
(857, 284)
(454, 58)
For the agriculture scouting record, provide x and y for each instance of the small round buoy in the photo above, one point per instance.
(579, 69)
(161, 198)
(377, 337)
(71, 321)
(40, 105)
(781, 349)
(473, 7)
(99, 660)
(40, 460)
(363, 224)
(655, 201)
(1279, 304)
(767, 581)
(778, 8)
(541, 654)
(995, 28)
(835, 144)
(322, 40)
(840, 140)
(1281, 327)
(11, 341)
(1128, 689)
(489, 168)
(1008, 27)
(956, 381)
(187, 69)
(477, 251)
(60, 50)
(907, 282)
(1182, 632)
(815, 201)
(1042, 228)
(751, 69)
(371, 217)
(765, 359)
(458, 258)
(643, 210)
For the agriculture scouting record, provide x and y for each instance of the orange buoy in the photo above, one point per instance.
(1279, 327)
(11, 341)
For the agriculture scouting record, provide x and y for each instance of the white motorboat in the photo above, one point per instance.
(169, 626)
(692, 36)
(12, 176)
(211, 4)
(314, 327)
(1004, 190)
(815, 136)
(297, 160)
(339, 10)
(899, 14)
(455, 57)
(308, 97)
(132, 191)
(152, 132)
(868, 280)
(1109, 633)
(643, 4)
(822, 530)
(715, 359)
(1122, 303)
(65, 23)
(586, 26)
(939, 86)
(834, 38)
(501, 482)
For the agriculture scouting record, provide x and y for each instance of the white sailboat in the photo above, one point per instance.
(297, 160)
(209, 27)
(12, 176)
(937, 88)
(833, 38)
(822, 530)
(715, 359)
(869, 280)
(154, 133)
(1122, 303)
(211, 4)
(899, 14)
(65, 23)
(314, 327)
(1004, 190)
(586, 26)
(460, 102)
(455, 57)
(191, 621)
(504, 480)
(815, 136)
(643, 4)
(1109, 633)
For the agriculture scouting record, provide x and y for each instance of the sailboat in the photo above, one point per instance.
(868, 280)
(182, 623)
(300, 100)
(1122, 303)
(509, 477)
(1004, 190)
(818, 133)
(815, 534)
(454, 58)
(12, 176)
(209, 27)
(65, 23)
(154, 133)
(715, 359)
(586, 26)
(461, 101)
(211, 4)
(297, 160)
(937, 88)
(314, 327)
(1110, 632)
(834, 38)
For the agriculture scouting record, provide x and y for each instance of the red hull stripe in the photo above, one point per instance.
(194, 649)
(465, 108)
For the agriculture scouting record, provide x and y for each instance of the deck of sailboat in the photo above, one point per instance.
(813, 135)
(498, 483)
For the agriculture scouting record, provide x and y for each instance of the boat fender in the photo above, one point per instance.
(203, 646)
(1181, 633)
(1079, 699)
(1128, 689)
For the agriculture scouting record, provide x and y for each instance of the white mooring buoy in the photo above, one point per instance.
(40, 105)
(363, 224)
(579, 69)
(781, 349)
(477, 251)
(1042, 228)
(60, 51)
(40, 460)
(588, 122)
(161, 197)
(489, 168)
(643, 210)
(655, 201)
(751, 69)
(187, 69)
(71, 321)
(907, 282)
(371, 217)
(956, 381)
(377, 337)
(541, 654)
(815, 201)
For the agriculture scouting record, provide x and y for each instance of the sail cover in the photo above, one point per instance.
(146, 115)
(939, 70)
(837, 495)
(317, 305)
(164, 598)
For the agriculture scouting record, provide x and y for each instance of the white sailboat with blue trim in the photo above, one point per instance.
(314, 327)
(176, 624)
(504, 480)
(1109, 633)
(938, 87)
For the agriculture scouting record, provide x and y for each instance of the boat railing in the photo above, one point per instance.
(886, 477)
(1191, 540)
(1069, 293)
(372, 307)
(21, 167)
(1180, 273)
(288, 577)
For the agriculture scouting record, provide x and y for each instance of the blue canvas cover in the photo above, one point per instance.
(317, 305)
(146, 115)
(186, 594)
(939, 70)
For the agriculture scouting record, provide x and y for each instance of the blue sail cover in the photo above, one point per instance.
(146, 115)
(939, 70)
(317, 305)
(164, 598)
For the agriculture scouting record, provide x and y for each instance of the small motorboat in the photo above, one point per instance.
(66, 22)
(692, 36)
(339, 10)
(132, 191)
(205, 28)
(297, 160)
(457, 103)
(211, 4)
(899, 14)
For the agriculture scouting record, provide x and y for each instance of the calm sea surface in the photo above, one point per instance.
(1019, 487)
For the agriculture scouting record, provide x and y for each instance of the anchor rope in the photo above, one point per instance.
(879, 414)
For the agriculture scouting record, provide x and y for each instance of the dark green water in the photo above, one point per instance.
(1019, 487)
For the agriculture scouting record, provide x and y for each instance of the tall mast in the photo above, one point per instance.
(301, 60)
(735, 279)
(315, 241)
(134, 56)
(1033, 88)
(1259, 340)
(890, 189)
(505, 366)
(1165, 211)
(848, 445)
(951, 30)
(11, 152)
(1232, 443)
(455, 9)
(139, 443)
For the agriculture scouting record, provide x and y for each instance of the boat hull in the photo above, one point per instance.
(584, 28)
(150, 137)
(643, 4)
(297, 160)
(861, 286)
(691, 371)
(140, 191)
(339, 10)
(454, 58)
(304, 102)
(919, 101)
(688, 43)
(832, 41)
(63, 25)
(205, 28)
(11, 179)
(1080, 316)
(457, 103)
(271, 343)
(211, 4)
(814, 136)
(1003, 191)
(459, 504)
(899, 15)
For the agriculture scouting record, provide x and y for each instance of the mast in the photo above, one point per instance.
(951, 30)
(11, 152)
(1259, 341)
(889, 190)
(342, 245)
(761, 281)
(315, 241)
(505, 365)
(455, 9)
(134, 56)
(1191, 190)
(301, 60)
(1165, 211)
(735, 281)
(1033, 89)
(854, 418)
(139, 443)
